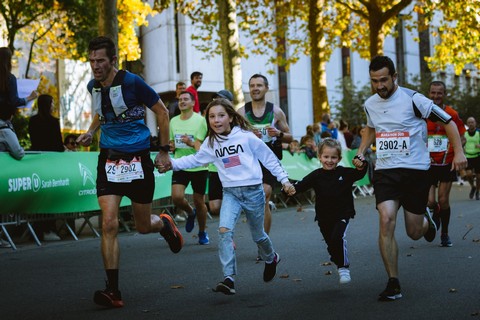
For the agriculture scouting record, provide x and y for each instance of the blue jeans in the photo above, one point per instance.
(250, 199)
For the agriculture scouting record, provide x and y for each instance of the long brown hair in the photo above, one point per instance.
(5, 68)
(237, 119)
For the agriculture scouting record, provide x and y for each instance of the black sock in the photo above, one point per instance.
(445, 216)
(112, 278)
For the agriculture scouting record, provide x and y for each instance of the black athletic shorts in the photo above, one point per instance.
(409, 186)
(268, 177)
(197, 178)
(474, 164)
(441, 174)
(215, 188)
(138, 191)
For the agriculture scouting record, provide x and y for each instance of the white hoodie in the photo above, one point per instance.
(236, 159)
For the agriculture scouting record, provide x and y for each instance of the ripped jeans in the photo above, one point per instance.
(250, 199)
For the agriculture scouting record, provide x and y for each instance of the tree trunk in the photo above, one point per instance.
(230, 43)
(376, 37)
(424, 48)
(107, 20)
(318, 60)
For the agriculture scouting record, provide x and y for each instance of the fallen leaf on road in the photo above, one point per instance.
(177, 287)
(328, 273)
(327, 263)
(297, 280)
(452, 290)
(299, 209)
(284, 276)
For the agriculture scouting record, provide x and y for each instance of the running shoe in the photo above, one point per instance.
(445, 240)
(226, 287)
(472, 193)
(179, 218)
(432, 227)
(271, 268)
(344, 275)
(191, 221)
(108, 298)
(203, 238)
(392, 292)
(171, 234)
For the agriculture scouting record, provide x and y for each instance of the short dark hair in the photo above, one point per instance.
(438, 83)
(195, 74)
(257, 75)
(180, 83)
(102, 42)
(189, 93)
(380, 62)
(44, 103)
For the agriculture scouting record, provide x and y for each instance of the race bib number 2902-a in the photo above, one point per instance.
(392, 144)
(124, 171)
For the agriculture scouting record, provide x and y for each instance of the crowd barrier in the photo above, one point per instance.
(51, 185)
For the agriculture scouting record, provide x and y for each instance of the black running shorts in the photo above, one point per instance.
(409, 186)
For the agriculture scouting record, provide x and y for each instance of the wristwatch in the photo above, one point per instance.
(165, 147)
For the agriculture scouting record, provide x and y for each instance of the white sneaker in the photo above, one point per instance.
(179, 218)
(344, 275)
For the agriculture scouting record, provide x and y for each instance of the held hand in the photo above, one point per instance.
(359, 161)
(33, 95)
(258, 133)
(162, 162)
(289, 189)
(85, 139)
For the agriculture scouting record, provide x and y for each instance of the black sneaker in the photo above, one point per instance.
(271, 268)
(436, 215)
(108, 298)
(472, 193)
(226, 287)
(432, 227)
(171, 234)
(392, 291)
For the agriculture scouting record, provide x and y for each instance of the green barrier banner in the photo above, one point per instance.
(57, 183)
(298, 165)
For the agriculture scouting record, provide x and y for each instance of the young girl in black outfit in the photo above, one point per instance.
(333, 201)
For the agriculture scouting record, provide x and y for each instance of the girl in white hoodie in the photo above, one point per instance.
(236, 152)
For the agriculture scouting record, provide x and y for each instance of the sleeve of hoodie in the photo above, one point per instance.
(202, 157)
(268, 159)
(12, 144)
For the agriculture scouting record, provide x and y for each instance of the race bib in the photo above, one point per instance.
(124, 171)
(264, 131)
(180, 144)
(392, 144)
(437, 143)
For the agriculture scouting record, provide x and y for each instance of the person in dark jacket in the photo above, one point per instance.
(44, 128)
(333, 201)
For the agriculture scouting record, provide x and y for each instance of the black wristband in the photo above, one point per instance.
(281, 135)
(165, 148)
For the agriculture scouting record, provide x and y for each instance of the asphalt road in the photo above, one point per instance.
(57, 280)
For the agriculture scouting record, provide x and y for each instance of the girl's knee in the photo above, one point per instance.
(222, 230)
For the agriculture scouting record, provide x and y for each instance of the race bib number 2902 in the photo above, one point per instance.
(392, 144)
(124, 171)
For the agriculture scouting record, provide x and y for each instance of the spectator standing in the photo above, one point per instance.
(172, 105)
(8, 83)
(187, 132)
(329, 126)
(441, 172)
(45, 135)
(44, 128)
(396, 122)
(333, 201)
(119, 99)
(270, 124)
(472, 152)
(196, 79)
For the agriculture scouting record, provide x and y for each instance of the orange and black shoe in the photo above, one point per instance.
(108, 298)
(171, 234)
